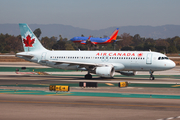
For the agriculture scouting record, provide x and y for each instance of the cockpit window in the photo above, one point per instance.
(162, 58)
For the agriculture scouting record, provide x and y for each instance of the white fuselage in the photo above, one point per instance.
(121, 60)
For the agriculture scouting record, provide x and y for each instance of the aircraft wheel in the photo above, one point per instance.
(151, 75)
(88, 76)
(152, 78)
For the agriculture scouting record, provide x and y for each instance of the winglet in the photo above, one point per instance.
(89, 38)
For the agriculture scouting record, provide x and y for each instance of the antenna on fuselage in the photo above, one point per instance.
(164, 52)
(149, 50)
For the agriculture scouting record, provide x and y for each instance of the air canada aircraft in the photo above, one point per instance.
(95, 41)
(101, 63)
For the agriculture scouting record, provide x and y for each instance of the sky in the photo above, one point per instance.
(91, 14)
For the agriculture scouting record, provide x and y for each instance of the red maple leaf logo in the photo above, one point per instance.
(28, 41)
(140, 54)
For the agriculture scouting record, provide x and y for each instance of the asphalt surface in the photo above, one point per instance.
(69, 107)
(17, 105)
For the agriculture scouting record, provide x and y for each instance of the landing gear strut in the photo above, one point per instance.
(151, 75)
(88, 76)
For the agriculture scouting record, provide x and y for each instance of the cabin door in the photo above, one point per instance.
(149, 58)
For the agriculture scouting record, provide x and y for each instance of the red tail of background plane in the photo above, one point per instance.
(114, 34)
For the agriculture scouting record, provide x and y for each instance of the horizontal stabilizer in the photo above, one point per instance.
(119, 39)
(24, 55)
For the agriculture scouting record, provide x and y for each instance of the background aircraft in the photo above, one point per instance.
(101, 63)
(95, 41)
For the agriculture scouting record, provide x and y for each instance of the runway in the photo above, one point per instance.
(69, 107)
(28, 97)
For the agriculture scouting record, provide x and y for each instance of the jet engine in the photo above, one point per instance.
(105, 71)
(128, 73)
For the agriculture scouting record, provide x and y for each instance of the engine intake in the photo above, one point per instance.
(128, 73)
(105, 71)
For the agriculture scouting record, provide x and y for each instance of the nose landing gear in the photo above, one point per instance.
(151, 75)
(88, 76)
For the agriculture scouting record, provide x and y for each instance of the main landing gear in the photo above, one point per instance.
(151, 75)
(88, 76)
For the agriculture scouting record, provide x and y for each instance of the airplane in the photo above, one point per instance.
(95, 41)
(101, 63)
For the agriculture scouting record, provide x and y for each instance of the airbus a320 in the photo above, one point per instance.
(101, 63)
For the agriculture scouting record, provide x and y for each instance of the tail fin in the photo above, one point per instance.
(29, 40)
(114, 34)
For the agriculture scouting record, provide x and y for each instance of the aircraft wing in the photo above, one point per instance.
(83, 42)
(93, 43)
(82, 64)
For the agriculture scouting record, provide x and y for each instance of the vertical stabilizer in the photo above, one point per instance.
(29, 40)
(114, 34)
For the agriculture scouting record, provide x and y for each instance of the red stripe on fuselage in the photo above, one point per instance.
(78, 41)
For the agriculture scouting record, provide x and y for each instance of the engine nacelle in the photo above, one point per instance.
(128, 73)
(105, 71)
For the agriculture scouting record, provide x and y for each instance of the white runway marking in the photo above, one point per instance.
(170, 118)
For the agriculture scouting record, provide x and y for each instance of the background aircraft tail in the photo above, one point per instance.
(114, 34)
(29, 40)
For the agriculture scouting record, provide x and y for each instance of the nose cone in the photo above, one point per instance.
(72, 39)
(171, 64)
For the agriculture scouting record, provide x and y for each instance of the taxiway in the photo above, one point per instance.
(28, 97)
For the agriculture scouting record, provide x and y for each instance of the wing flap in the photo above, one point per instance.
(74, 63)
